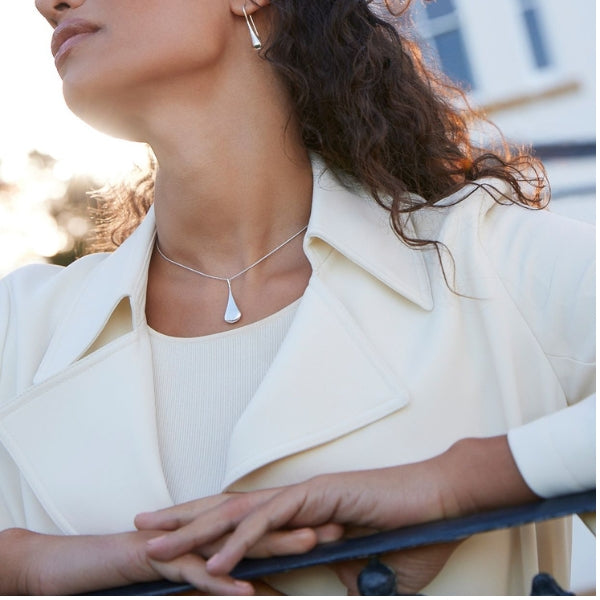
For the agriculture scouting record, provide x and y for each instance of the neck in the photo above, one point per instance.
(234, 179)
(228, 210)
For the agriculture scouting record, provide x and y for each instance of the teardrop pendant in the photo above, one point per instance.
(232, 312)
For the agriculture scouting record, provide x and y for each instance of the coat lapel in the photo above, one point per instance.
(85, 440)
(116, 284)
(325, 382)
(84, 435)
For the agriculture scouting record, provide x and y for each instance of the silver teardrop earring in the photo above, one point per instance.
(254, 36)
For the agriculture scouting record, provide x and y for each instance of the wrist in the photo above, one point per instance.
(16, 558)
(481, 474)
(38, 564)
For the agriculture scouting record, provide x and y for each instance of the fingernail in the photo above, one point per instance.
(244, 586)
(142, 519)
(215, 564)
(305, 531)
(331, 536)
(156, 541)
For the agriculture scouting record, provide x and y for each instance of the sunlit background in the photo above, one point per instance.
(34, 118)
(529, 65)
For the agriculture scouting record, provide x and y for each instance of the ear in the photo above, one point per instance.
(237, 6)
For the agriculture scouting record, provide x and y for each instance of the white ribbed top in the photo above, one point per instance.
(202, 386)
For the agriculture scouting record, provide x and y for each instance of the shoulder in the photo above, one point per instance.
(540, 263)
(33, 301)
(482, 221)
(35, 298)
(39, 284)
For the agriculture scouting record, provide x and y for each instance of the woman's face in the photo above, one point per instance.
(113, 53)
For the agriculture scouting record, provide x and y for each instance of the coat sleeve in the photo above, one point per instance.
(546, 264)
(556, 454)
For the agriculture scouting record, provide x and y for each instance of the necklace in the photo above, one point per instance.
(232, 312)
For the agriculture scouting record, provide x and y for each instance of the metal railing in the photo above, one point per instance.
(376, 578)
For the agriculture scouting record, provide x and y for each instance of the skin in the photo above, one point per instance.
(36, 564)
(472, 475)
(234, 181)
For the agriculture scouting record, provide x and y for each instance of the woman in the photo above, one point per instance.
(264, 324)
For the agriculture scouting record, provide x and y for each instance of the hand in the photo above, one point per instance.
(37, 564)
(191, 567)
(340, 497)
(367, 499)
(474, 474)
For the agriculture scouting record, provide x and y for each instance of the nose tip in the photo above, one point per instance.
(52, 9)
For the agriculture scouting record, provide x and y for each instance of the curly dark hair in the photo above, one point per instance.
(367, 103)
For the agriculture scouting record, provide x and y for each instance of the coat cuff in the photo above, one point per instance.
(556, 454)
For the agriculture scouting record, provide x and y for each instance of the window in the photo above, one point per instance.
(537, 41)
(439, 22)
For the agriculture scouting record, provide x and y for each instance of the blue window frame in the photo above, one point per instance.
(537, 40)
(439, 21)
(439, 8)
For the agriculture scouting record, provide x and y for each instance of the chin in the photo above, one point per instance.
(102, 110)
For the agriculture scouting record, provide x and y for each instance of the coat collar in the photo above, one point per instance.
(340, 216)
(119, 276)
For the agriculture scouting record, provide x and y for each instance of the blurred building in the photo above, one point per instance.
(530, 66)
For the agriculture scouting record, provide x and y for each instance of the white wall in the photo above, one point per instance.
(504, 69)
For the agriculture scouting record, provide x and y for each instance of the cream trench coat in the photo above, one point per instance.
(383, 365)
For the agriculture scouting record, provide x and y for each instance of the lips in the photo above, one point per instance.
(68, 30)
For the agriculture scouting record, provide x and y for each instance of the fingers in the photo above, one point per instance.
(284, 542)
(268, 517)
(179, 515)
(332, 532)
(348, 573)
(202, 526)
(207, 527)
(277, 543)
(302, 505)
(297, 541)
(192, 569)
(185, 539)
(211, 525)
(416, 568)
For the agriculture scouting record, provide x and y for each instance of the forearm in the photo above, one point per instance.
(13, 555)
(472, 475)
(36, 564)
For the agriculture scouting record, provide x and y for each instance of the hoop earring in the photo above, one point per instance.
(254, 36)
